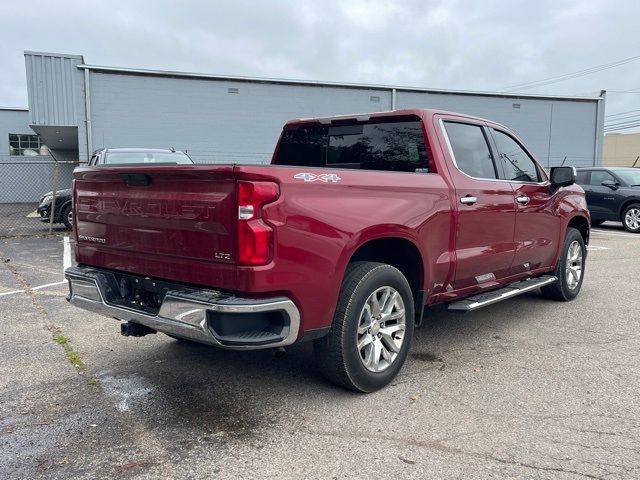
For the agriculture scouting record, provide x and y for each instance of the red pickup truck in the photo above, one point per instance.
(359, 223)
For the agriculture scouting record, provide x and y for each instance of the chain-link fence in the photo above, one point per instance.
(30, 189)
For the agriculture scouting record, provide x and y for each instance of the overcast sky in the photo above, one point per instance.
(450, 44)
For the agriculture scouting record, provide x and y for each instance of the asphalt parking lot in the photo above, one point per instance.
(18, 219)
(528, 388)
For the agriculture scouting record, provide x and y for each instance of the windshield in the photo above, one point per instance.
(147, 157)
(630, 177)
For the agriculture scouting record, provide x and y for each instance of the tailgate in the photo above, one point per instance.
(158, 221)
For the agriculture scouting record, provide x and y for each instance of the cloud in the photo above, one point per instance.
(439, 44)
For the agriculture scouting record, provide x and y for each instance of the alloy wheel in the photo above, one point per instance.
(632, 218)
(381, 329)
(574, 264)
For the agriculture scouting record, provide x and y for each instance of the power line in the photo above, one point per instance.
(618, 119)
(567, 76)
(626, 117)
(614, 129)
(621, 113)
(621, 121)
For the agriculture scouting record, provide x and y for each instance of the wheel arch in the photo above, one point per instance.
(400, 253)
(581, 224)
(625, 205)
(63, 205)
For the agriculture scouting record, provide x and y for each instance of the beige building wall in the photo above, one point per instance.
(621, 150)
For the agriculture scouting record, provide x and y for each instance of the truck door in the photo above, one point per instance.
(537, 230)
(484, 243)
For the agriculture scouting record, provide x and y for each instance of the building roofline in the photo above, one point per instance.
(15, 109)
(317, 83)
(51, 54)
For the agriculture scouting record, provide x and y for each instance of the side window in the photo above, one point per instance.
(518, 165)
(582, 177)
(599, 176)
(471, 150)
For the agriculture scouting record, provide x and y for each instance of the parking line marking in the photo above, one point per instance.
(66, 257)
(39, 287)
(11, 293)
(66, 263)
(616, 234)
(49, 285)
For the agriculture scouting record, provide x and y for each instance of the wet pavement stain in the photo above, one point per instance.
(179, 406)
(427, 357)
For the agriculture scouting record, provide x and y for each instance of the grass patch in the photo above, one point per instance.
(71, 354)
(91, 381)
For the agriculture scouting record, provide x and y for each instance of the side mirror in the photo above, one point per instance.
(562, 176)
(611, 184)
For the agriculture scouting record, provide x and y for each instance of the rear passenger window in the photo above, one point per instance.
(471, 150)
(581, 177)
(517, 164)
(379, 146)
(396, 146)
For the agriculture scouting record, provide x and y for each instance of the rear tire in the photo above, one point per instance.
(67, 217)
(372, 328)
(631, 218)
(569, 270)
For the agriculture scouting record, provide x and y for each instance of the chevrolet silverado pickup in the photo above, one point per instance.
(359, 224)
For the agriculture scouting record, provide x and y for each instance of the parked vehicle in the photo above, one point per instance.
(107, 157)
(613, 193)
(119, 156)
(63, 212)
(357, 225)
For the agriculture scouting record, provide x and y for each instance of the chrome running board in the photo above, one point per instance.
(488, 298)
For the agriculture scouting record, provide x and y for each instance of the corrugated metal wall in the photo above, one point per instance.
(205, 118)
(551, 129)
(235, 121)
(12, 121)
(54, 86)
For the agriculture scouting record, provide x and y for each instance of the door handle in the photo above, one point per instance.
(468, 200)
(522, 199)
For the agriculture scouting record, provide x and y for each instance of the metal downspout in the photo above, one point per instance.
(87, 112)
(597, 156)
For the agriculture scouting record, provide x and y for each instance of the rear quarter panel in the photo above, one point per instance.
(319, 225)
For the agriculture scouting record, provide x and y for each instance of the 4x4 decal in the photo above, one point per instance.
(323, 177)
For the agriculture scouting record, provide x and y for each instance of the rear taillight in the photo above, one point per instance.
(255, 237)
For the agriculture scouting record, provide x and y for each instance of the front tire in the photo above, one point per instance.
(569, 270)
(631, 218)
(372, 328)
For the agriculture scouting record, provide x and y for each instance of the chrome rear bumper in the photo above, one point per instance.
(191, 313)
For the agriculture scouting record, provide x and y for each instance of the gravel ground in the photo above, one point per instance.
(527, 388)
